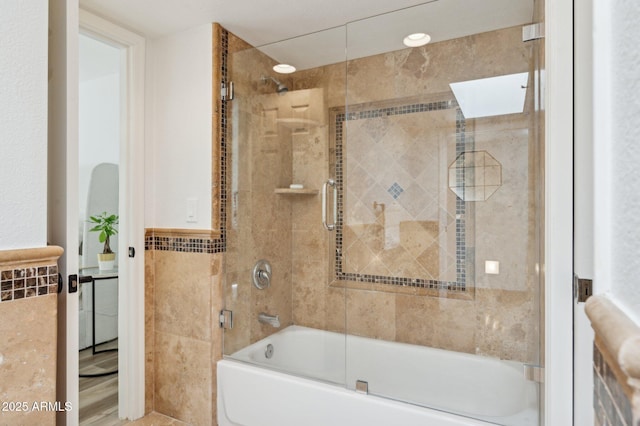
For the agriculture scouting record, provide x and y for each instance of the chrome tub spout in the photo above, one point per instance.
(272, 320)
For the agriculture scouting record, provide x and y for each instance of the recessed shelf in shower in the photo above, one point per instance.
(290, 191)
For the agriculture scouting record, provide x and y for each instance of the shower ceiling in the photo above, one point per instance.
(442, 19)
(260, 22)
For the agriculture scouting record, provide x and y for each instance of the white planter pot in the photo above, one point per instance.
(106, 262)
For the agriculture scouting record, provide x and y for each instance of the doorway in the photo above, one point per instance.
(98, 195)
(129, 244)
(66, 23)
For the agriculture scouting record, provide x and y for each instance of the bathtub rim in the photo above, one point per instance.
(450, 419)
(532, 406)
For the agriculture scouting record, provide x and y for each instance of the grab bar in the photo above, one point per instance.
(328, 183)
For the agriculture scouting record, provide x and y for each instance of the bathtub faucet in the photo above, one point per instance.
(273, 320)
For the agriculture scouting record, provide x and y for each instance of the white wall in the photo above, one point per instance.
(99, 129)
(619, 85)
(178, 128)
(626, 156)
(23, 123)
(99, 112)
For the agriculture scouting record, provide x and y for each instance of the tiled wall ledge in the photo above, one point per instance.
(26, 273)
(616, 364)
(29, 256)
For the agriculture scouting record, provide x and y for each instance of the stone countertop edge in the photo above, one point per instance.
(619, 334)
(30, 255)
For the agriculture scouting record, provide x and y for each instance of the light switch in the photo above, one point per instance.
(192, 210)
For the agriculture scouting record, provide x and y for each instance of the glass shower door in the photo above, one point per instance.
(427, 289)
(278, 149)
(438, 239)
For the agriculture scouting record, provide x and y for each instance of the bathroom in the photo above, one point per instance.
(418, 266)
(505, 313)
(412, 261)
(360, 203)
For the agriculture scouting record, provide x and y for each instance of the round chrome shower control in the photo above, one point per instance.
(261, 275)
(268, 352)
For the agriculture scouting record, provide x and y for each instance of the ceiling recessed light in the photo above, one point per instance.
(416, 39)
(284, 68)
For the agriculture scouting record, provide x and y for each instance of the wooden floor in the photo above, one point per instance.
(99, 395)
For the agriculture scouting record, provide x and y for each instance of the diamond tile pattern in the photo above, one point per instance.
(395, 190)
(398, 212)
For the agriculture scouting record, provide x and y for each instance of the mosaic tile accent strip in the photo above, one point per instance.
(224, 138)
(461, 249)
(611, 405)
(22, 283)
(395, 190)
(463, 142)
(185, 244)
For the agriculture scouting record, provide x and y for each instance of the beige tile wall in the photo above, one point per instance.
(28, 336)
(183, 297)
(500, 318)
(616, 363)
(28, 359)
(259, 224)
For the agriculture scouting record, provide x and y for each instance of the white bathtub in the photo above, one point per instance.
(303, 384)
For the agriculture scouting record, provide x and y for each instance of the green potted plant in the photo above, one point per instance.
(105, 223)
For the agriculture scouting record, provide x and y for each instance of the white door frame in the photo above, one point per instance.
(558, 265)
(62, 197)
(584, 260)
(131, 356)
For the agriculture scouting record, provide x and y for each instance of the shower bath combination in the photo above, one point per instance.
(394, 287)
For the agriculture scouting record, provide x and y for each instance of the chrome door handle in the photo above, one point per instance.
(325, 186)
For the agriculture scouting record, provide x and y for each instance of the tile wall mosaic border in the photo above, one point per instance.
(224, 138)
(616, 363)
(611, 405)
(25, 282)
(182, 243)
(462, 144)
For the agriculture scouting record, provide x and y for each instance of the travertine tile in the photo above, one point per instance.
(371, 314)
(437, 322)
(418, 151)
(183, 378)
(506, 324)
(149, 328)
(183, 294)
(309, 288)
(28, 359)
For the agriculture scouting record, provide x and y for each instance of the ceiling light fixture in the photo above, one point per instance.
(416, 39)
(284, 68)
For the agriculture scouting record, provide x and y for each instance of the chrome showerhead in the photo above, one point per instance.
(281, 88)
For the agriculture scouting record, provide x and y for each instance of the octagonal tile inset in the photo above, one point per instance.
(475, 176)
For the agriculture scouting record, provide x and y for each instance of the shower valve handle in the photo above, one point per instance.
(261, 275)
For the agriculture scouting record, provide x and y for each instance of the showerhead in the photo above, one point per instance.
(280, 89)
